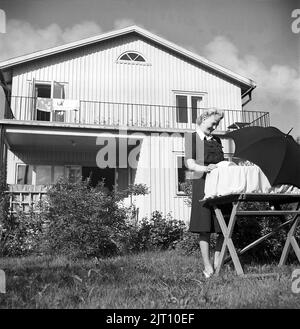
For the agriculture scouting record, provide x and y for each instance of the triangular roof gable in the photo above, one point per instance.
(131, 29)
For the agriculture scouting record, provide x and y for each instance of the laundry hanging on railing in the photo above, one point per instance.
(65, 104)
(44, 104)
(56, 104)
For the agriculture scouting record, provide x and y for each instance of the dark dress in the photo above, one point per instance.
(203, 218)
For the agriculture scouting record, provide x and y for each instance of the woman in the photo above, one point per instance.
(205, 152)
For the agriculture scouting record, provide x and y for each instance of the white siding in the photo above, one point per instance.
(157, 169)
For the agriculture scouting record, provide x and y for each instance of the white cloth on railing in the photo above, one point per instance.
(231, 179)
(65, 104)
(44, 104)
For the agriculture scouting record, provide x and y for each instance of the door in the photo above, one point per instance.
(43, 93)
(58, 92)
(97, 174)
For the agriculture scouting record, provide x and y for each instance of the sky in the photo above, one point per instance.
(253, 38)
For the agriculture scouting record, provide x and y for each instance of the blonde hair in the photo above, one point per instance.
(208, 113)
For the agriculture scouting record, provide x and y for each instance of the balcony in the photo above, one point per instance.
(115, 115)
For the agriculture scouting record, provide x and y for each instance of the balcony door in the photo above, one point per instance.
(187, 109)
(44, 92)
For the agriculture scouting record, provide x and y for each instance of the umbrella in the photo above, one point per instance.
(276, 153)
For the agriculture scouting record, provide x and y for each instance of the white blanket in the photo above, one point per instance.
(230, 179)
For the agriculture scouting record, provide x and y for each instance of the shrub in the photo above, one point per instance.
(22, 233)
(252, 228)
(4, 198)
(157, 233)
(4, 210)
(188, 244)
(85, 221)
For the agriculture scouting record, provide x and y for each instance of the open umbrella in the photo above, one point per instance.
(277, 154)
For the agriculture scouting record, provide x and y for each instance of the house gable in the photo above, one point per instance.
(244, 82)
(95, 73)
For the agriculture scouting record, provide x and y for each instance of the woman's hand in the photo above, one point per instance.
(210, 167)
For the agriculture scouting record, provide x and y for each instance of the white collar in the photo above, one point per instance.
(202, 135)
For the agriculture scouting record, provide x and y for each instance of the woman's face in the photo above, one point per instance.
(210, 124)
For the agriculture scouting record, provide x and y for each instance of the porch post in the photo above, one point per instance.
(2, 103)
(2, 148)
(3, 156)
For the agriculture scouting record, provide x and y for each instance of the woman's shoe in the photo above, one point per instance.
(207, 275)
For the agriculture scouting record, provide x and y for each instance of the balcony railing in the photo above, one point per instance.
(114, 115)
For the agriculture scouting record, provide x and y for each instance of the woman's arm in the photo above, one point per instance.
(192, 165)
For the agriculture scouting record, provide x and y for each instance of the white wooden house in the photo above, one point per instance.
(129, 86)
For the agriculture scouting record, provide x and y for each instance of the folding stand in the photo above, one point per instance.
(236, 199)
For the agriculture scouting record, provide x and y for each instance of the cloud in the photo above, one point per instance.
(22, 38)
(81, 31)
(278, 86)
(124, 22)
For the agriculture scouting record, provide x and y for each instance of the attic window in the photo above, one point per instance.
(132, 57)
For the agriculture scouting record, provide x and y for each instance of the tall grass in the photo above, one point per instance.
(159, 280)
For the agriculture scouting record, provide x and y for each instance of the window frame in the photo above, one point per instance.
(17, 172)
(189, 95)
(66, 167)
(33, 176)
(177, 191)
(133, 62)
(52, 84)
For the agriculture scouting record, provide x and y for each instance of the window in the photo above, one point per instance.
(43, 90)
(181, 109)
(58, 172)
(42, 174)
(187, 108)
(182, 174)
(73, 173)
(24, 174)
(132, 57)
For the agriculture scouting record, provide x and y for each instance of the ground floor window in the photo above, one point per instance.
(73, 173)
(183, 174)
(49, 174)
(45, 174)
(24, 174)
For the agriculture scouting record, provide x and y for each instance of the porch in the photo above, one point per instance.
(38, 156)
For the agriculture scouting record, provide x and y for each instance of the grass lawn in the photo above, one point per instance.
(159, 280)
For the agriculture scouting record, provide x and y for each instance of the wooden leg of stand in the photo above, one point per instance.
(291, 242)
(228, 243)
